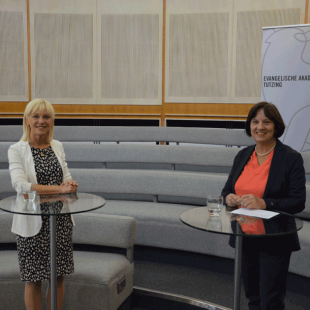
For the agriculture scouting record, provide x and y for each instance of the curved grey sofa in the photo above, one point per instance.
(155, 183)
(157, 197)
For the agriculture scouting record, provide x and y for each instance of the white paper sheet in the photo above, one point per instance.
(255, 212)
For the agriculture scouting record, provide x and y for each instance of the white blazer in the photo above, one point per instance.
(23, 175)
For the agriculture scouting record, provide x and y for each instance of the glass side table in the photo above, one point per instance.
(58, 205)
(230, 224)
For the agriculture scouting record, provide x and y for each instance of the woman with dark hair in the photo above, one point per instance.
(271, 176)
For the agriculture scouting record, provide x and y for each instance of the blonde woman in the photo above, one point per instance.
(37, 162)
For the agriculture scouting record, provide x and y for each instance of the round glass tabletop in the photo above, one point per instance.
(59, 204)
(226, 223)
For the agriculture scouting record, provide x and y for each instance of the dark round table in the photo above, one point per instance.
(240, 226)
(70, 204)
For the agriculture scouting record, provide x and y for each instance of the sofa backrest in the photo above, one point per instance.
(121, 156)
(182, 184)
(216, 136)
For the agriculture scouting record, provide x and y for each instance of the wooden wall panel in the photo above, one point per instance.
(198, 51)
(129, 52)
(13, 50)
(62, 42)
(169, 110)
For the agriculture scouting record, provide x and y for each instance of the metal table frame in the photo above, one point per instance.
(237, 269)
(53, 262)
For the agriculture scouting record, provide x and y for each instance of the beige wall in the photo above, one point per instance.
(232, 103)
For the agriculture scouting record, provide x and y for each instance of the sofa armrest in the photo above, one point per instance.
(105, 230)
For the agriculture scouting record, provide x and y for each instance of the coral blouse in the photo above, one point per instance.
(253, 180)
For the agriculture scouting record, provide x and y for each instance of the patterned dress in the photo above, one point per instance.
(34, 252)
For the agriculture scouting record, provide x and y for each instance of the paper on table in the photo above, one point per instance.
(255, 212)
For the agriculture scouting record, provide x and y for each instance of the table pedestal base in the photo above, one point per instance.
(237, 272)
(53, 262)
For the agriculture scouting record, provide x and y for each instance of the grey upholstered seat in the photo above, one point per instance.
(93, 285)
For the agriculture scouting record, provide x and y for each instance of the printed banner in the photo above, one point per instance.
(286, 80)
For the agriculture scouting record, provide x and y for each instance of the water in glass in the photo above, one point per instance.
(215, 205)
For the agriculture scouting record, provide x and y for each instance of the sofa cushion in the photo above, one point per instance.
(93, 285)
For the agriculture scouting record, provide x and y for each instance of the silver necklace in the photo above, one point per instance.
(265, 153)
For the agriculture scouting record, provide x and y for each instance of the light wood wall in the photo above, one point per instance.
(170, 110)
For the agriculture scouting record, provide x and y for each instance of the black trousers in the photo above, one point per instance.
(264, 273)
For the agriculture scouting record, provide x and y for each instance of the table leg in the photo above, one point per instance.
(237, 272)
(53, 262)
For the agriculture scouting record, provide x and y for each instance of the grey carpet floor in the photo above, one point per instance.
(204, 277)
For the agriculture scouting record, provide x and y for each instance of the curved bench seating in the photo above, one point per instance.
(217, 160)
(80, 154)
(177, 189)
(154, 184)
(158, 224)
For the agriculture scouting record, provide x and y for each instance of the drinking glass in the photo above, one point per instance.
(215, 205)
(29, 196)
